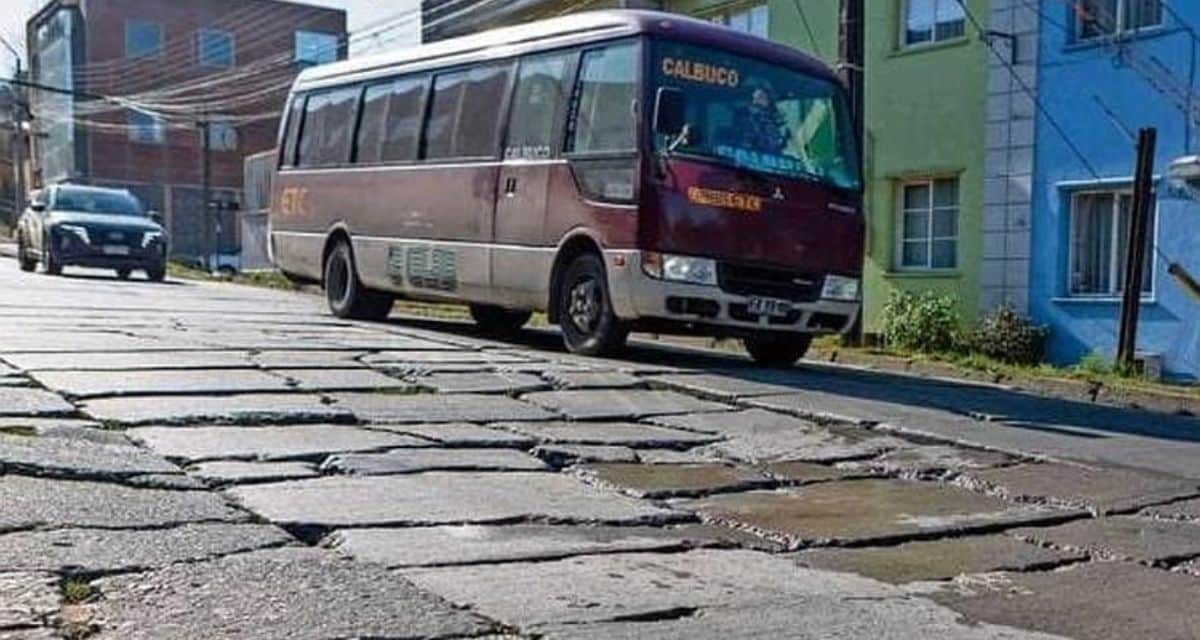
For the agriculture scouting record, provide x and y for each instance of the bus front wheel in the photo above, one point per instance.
(777, 349)
(346, 294)
(585, 310)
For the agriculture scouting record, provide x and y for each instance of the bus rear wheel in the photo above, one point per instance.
(779, 350)
(498, 320)
(585, 310)
(347, 296)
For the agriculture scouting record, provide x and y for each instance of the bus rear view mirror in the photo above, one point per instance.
(670, 112)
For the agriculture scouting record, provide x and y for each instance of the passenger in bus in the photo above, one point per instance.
(761, 124)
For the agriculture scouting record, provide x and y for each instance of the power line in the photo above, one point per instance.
(808, 28)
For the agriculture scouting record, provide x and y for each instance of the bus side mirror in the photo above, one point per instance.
(670, 111)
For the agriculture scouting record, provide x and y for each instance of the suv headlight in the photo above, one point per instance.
(840, 288)
(151, 237)
(702, 271)
(77, 231)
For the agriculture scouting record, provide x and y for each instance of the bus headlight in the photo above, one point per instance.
(701, 271)
(840, 288)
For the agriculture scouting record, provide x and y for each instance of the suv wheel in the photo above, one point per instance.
(50, 259)
(27, 263)
(777, 349)
(585, 311)
(347, 296)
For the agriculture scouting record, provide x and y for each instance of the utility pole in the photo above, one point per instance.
(852, 67)
(1135, 261)
(206, 187)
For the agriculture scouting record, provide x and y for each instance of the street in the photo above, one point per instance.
(201, 460)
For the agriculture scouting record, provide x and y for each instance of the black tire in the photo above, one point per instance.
(50, 259)
(346, 294)
(585, 311)
(124, 273)
(498, 320)
(23, 259)
(780, 350)
(156, 273)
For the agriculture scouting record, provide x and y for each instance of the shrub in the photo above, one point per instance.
(925, 322)
(1007, 336)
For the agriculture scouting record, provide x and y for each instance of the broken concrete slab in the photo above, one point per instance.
(64, 428)
(310, 359)
(1101, 490)
(235, 409)
(27, 600)
(627, 434)
(796, 472)
(442, 498)
(416, 360)
(132, 361)
(720, 387)
(482, 382)
(756, 435)
(474, 544)
(640, 595)
(92, 384)
(576, 380)
(93, 551)
(929, 560)
(419, 460)
(613, 404)
(674, 480)
(360, 379)
(1187, 510)
(866, 511)
(1152, 542)
(23, 401)
(1095, 600)
(461, 435)
(33, 502)
(930, 462)
(561, 455)
(77, 458)
(278, 593)
(430, 408)
(266, 443)
(238, 472)
(175, 481)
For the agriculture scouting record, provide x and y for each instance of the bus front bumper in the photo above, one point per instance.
(663, 305)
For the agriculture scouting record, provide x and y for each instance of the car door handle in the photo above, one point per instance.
(510, 187)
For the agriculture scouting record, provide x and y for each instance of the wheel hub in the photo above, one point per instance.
(337, 283)
(585, 305)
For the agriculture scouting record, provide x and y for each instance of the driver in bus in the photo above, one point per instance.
(762, 125)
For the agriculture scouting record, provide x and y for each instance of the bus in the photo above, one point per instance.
(617, 170)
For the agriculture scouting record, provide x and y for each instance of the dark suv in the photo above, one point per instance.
(72, 225)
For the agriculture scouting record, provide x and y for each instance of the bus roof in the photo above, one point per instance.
(567, 30)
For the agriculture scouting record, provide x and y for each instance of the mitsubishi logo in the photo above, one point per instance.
(778, 195)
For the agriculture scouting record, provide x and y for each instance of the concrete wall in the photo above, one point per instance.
(1071, 78)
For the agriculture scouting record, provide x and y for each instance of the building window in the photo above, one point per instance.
(146, 129)
(222, 136)
(1101, 18)
(143, 39)
(604, 116)
(929, 21)
(929, 224)
(214, 48)
(313, 47)
(1100, 242)
(751, 19)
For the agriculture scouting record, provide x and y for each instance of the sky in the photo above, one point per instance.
(363, 14)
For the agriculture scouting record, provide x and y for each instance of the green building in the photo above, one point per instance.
(926, 113)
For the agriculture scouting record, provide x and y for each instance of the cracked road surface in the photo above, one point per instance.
(213, 461)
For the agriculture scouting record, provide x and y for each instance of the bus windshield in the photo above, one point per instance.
(759, 116)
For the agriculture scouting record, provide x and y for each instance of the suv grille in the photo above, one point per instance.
(769, 282)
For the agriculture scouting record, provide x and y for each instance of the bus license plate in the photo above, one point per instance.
(770, 307)
(116, 250)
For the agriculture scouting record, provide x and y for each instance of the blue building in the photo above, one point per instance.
(1104, 69)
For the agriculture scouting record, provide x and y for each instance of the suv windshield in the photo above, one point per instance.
(760, 116)
(96, 201)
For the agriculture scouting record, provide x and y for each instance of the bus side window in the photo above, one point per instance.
(463, 119)
(541, 97)
(604, 119)
(291, 135)
(328, 122)
(391, 119)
